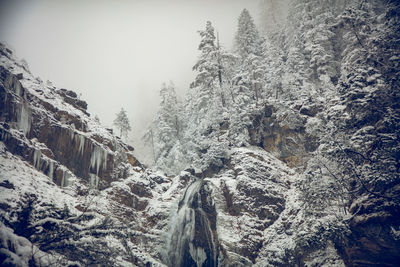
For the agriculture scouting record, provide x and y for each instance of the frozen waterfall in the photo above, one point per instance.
(191, 241)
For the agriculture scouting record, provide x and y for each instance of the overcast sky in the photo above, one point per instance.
(116, 53)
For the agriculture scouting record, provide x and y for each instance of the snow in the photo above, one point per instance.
(395, 233)
(17, 250)
(259, 200)
(26, 180)
(48, 93)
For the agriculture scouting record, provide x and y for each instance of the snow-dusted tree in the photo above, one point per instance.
(272, 59)
(122, 123)
(248, 46)
(205, 102)
(247, 39)
(273, 15)
(164, 135)
(295, 82)
(168, 131)
(239, 115)
(319, 45)
(369, 77)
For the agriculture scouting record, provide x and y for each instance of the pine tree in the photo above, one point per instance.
(273, 16)
(272, 60)
(165, 133)
(248, 47)
(168, 121)
(247, 39)
(207, 67)
(206, 99)
(122, 123)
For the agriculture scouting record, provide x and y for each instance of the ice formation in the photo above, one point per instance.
(81, 139)
(94, 180)
(98, 159)
(65, 178)
(198, 254)
(51, 170)
(23, 123)
(189, 219)
(37, 158)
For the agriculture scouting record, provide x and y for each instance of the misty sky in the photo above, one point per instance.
(116, 53)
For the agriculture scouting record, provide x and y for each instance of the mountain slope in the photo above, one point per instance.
(299, 167)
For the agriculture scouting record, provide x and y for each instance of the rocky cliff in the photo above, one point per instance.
(62, 200)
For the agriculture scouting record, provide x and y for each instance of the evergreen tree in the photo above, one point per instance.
(165, 133)
(122, 123)
(247, 39)
(273, 17)
(248, 47)
(272, 60)
(206, 99)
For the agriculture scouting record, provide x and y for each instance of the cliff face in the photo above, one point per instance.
(61, 176)
(57, 131)
(352, 143)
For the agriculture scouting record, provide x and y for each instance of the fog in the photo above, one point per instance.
(116, 53)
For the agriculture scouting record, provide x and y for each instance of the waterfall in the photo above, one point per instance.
(191, 241)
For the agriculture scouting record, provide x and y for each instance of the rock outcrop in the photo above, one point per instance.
(282, 132)
(56, 133)
(64, 189)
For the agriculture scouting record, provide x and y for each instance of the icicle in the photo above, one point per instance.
(81, 144)
(94, 181)
(62, 179)
(51, 170)
(4, 136)
(37, 158)
(23, 123)
(18, 89)
(105, 160)
(98, 159)
(65, 179)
